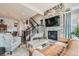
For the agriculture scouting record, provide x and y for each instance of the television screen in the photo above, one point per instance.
(53, 21)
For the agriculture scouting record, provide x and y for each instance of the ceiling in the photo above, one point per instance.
(16, 11)
(41, 6)
(26, 10)
(23, 10)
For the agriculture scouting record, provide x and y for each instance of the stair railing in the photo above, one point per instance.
(34, 29)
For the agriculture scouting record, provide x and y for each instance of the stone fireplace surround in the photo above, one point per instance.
(58, 29)
(54, 12)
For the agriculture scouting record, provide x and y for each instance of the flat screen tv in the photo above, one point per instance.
(53, 21)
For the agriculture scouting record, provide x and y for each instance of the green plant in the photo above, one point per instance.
(76, 32)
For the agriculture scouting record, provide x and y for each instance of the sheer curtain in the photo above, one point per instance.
(67, 25)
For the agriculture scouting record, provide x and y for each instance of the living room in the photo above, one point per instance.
(39, 29)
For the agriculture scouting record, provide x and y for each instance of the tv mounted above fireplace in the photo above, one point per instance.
(53, 21)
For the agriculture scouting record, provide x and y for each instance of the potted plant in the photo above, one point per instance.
(75, 33)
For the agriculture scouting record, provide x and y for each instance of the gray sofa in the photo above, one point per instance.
(9, 42)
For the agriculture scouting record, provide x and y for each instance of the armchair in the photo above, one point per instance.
(2, 47)
(11, 43)
(1, 40)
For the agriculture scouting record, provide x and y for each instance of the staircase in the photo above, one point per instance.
(36, 31)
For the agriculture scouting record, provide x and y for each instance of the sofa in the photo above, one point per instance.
(9, 42)
(2, 41)
(2, 47)
(70, 48)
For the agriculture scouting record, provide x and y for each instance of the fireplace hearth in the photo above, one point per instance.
(53, 35)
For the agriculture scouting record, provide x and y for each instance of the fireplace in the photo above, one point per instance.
(53, 35)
